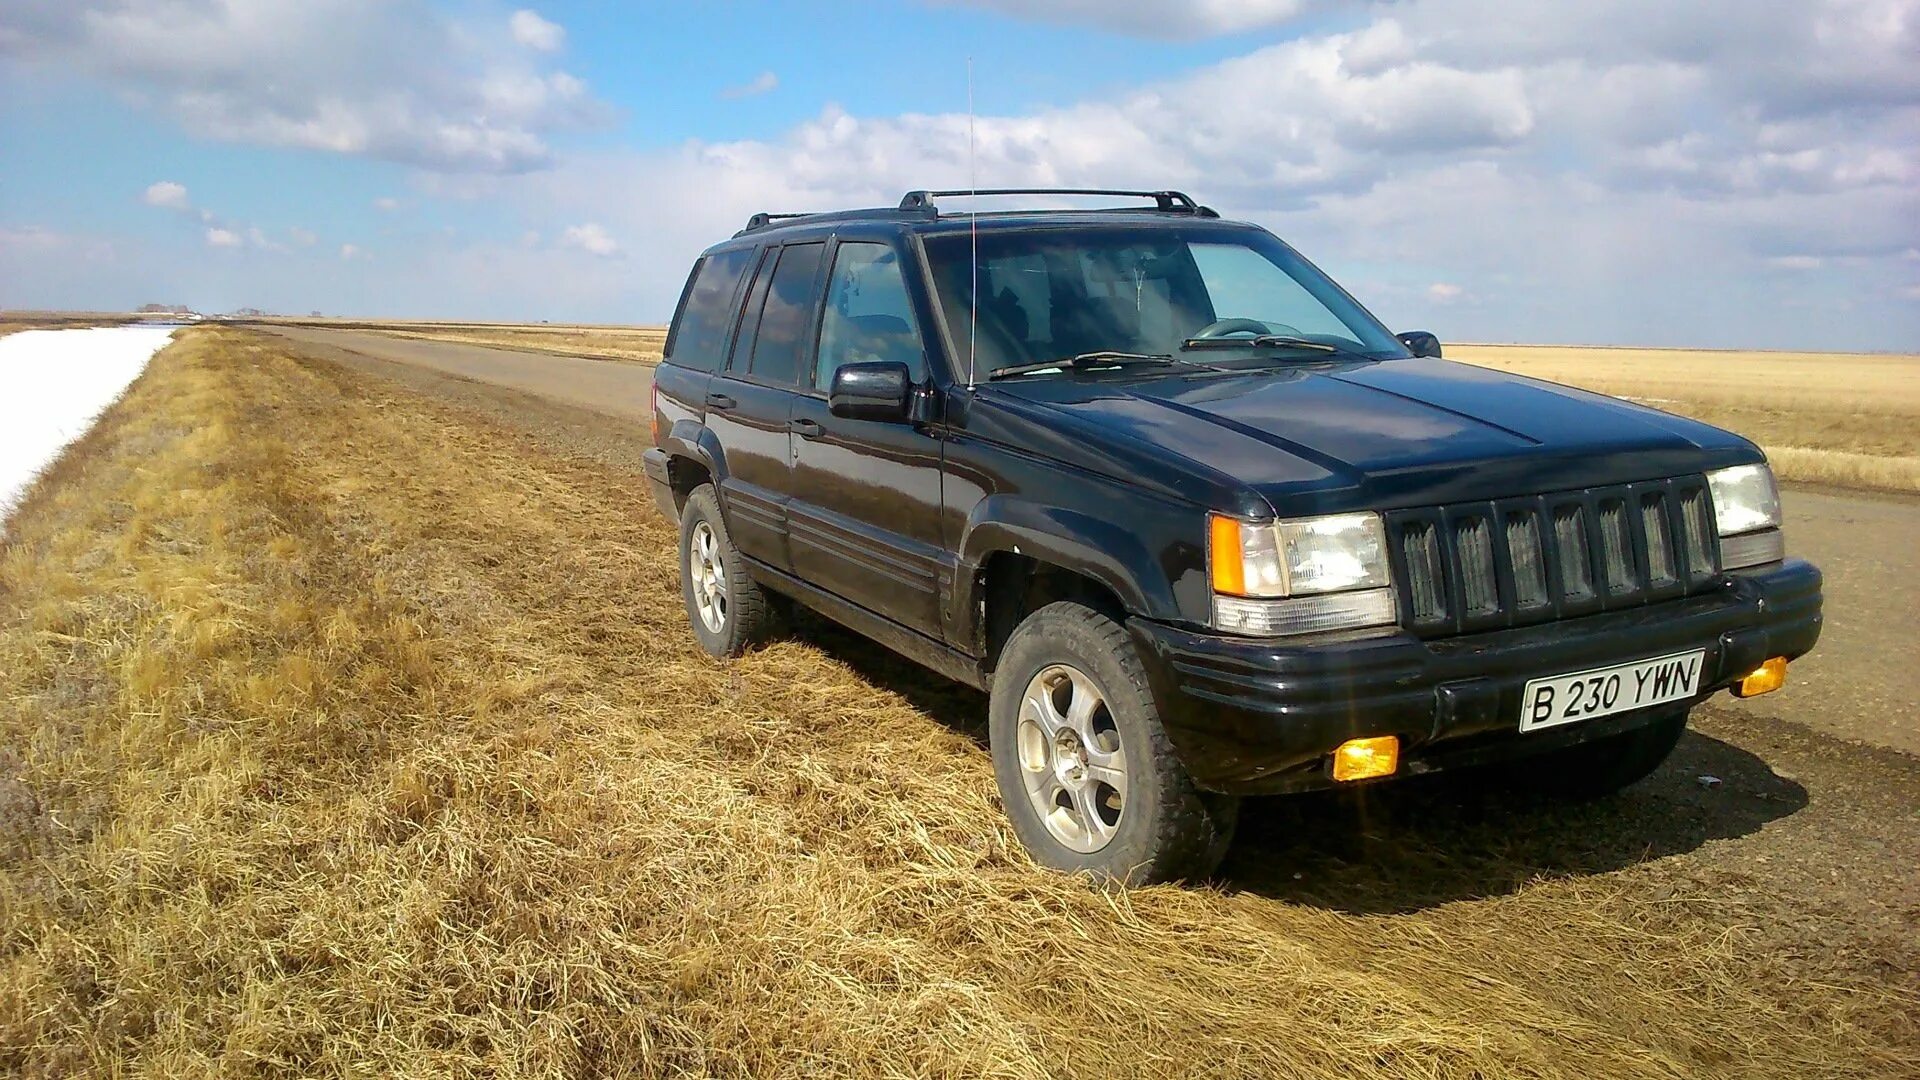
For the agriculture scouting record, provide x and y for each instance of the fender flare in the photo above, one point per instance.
(1091, 546)
(694, 441)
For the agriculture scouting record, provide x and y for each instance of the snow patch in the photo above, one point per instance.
(53, 383)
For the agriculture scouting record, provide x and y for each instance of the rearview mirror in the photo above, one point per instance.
(873, 391)
(1420, 343)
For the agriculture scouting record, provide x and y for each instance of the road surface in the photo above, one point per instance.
(1857, 685)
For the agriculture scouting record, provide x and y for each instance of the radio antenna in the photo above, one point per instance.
(973, 237)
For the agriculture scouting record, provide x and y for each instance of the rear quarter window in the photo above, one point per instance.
(699, 330)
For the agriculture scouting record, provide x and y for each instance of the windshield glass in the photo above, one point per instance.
(1048, 294)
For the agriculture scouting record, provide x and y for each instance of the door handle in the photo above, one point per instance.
(806, 429)
(720, 401)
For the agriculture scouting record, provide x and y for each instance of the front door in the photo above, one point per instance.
(865, 517)
(750, 403)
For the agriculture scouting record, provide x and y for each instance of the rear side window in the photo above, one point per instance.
(787, 316)
(700, 332)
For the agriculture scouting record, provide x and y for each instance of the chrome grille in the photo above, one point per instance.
(1511, 562)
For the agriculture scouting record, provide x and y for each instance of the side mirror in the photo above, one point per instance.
(875, 391)
(1420, 343)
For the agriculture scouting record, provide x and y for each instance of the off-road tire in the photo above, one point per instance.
(1594, 770)
(752, 614)
(1168, 828)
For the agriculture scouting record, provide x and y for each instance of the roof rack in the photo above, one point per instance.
(1173, 202)
(767, 220)
(920, 203)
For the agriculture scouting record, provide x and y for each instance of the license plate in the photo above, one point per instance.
(1564, 699)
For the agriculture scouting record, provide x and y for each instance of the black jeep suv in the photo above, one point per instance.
(1200, 524)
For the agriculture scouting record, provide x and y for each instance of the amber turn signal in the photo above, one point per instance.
(1765, 679)
(1361, 759)
(1229, 568)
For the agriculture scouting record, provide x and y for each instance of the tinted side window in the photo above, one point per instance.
(701, 330)
(869, 316)
(750, 313)
(787, 316)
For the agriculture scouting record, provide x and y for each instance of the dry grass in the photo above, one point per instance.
(641, 343)
(346, 734)
(1850, 419)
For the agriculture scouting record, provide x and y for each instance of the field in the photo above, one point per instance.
(1848, 419)
(641, 343)
(349, 728)
(12, 322)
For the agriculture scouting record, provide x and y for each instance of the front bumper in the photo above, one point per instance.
(1260, 717)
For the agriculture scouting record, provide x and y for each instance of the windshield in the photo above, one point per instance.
(1049, 294)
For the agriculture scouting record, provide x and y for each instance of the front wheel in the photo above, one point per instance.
(1090, 781)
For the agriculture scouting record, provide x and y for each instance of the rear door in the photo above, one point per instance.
(749, 403)
(697, 343)
(865, 515)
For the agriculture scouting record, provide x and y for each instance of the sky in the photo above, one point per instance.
(1716, 173)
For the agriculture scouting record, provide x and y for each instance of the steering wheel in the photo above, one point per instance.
(1223, 327)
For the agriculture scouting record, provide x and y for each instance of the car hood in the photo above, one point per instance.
(1390, 433)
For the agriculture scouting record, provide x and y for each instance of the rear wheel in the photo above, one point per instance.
(729, 610)
(1593, 770)
(1090, 782)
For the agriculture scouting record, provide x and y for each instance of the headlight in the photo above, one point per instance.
(1744, 499)
(1271, 578)
(1746, 512)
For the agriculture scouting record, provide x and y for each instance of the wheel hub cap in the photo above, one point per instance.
(1071, 760)
(708, 577)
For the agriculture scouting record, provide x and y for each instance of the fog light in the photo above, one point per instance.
(1765, 679)
(1359, 759)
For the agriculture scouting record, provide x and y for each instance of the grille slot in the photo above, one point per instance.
(1616, 549)
(1698, 526)
(1478, 566)
(1653, 526)
(1479, 591)
(1576, 558)
(1529, 567)
(1426, 587)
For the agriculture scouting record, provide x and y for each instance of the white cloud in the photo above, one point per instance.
(349, 252)
(534, 32)
(386, 203)
(167, 195)
(399, 81)
(590, 238)
(1627, 187)
(763, 83)
(223, 238)
(1910, 292)
(1797, 262)
(302, 237)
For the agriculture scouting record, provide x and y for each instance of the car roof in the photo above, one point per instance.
(918, 213)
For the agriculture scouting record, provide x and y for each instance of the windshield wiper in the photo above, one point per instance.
(1102, 358)
(1260, 341)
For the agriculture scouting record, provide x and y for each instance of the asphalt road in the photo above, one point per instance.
(1856, 685)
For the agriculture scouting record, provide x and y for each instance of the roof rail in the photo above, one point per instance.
(769, 220)
(764, 219)
(1176, 202)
